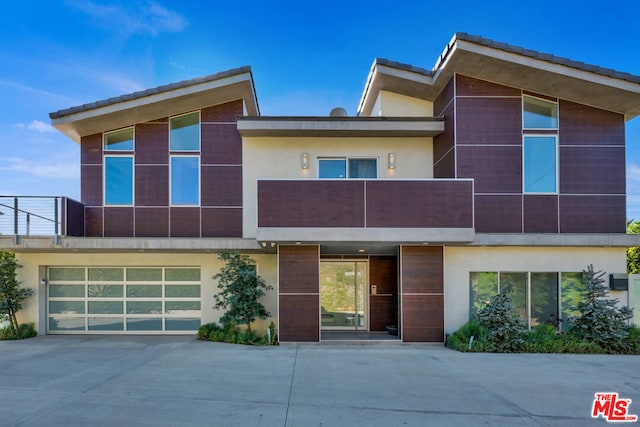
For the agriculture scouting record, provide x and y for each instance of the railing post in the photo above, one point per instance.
(28, 223)
(55, 215)
(15, 216)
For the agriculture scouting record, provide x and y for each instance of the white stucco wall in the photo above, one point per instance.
(392, 104)
(34, 264)
(281, 158)
(460, 261)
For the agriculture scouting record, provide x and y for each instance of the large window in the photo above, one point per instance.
(539, 113)
(332, 168)
(185, 132)
(118, 180)
(119, 140)
(185, 180)
(538, 297)
(540, 164)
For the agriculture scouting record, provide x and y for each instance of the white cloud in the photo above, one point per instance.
(37, 126)
(42, 169)
(146, 17)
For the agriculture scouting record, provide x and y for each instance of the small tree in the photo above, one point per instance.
(600, 320)
(11, 294)
(504, 325)
(633, 254)
(240, 290)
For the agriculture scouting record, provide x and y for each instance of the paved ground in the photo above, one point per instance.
(175, 381)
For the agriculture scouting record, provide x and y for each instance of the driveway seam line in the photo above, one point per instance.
(293, 374)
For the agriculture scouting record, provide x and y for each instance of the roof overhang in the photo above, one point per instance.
(158, 103)
(340, 126)
(510, 66)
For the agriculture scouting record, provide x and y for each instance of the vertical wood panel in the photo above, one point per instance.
(184, 222)
(221, 185)
(91, 185)
(152, 222)
(383, 307)
(422, 278)
(152, 185)
(93, 218)
(152, 143)
(498, 214)
(91, 149)
(299, 293)
(118, 222)
(540, 214)
(221, 222)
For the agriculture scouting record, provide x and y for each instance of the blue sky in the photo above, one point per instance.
(307, 57)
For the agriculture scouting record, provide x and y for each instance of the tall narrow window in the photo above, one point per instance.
(119, 140)
(185, 180)
(539, 113)
(185, 132)
(540, 164)
(118, 180)
(572, 292)
(482, 287)
(544, 297)
(518, 282)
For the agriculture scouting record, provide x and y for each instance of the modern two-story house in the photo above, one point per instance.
(499, 166)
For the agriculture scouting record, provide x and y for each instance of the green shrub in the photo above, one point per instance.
(233, 335)
(600, 321)
(25, 330)
(542, 339)
(461, 338)
(503, 324)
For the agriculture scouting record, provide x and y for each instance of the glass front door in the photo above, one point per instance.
(343, 295)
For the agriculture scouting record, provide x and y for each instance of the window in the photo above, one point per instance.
(118, 180)
(537, 296)
(353, 168)
(184, 134)
(185, 180)
(540, 164)
(119, 140)
(539, 114)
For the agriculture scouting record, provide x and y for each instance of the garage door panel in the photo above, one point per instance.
(124, 299)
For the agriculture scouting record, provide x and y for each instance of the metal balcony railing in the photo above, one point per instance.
(31, 215)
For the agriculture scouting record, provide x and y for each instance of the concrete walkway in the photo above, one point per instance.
(178, 381)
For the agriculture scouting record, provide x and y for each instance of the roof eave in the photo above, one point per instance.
(128, 110)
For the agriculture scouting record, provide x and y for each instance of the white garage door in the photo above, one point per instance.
(123, 300)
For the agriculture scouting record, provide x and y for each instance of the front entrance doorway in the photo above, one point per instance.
(344, 296)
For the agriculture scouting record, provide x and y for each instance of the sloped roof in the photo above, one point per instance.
(158, 102)
(509, 65)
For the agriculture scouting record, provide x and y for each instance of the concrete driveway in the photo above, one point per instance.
(176, 381)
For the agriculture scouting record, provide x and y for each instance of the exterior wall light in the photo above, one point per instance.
(392, 160)
(305, 161)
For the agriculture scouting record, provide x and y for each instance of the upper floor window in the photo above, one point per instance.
(185, 180)
(118, 140)
(118, 180)
(184, 132)
(332, 168)
(540, 164)
(539, 113)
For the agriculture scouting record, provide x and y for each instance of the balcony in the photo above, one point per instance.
(37, 216)
(366, 210)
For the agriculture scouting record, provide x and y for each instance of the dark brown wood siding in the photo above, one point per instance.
(221, 185)
(383, 305)
(221, 222)
(152, 185)
(152, 222)
(299, 293)
(444, 144)
(469, 86)
(592, 214)
(592, 170)
(584, 125)
(540, 213)
(311, 203)
(342, 203)
(419, 204)
(184, 222)
(498, 213)
(91, 185)
(494, 169)
(422, 284)
(93, 221)
(91, 149)
(152, 143)
(118, 222)
(488, 121)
